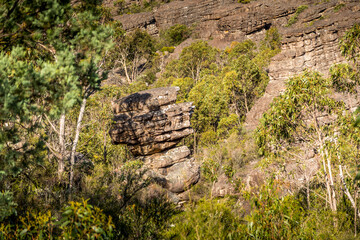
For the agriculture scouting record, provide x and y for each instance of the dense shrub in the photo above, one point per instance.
(175, 34)
(79, 220)
(209, 219)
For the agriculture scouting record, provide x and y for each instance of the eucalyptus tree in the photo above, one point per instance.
(195, 58)
(243, 82)
(133, 53)
(297, 116)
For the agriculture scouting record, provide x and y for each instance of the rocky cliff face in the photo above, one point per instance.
(151, 124)
(312, 42)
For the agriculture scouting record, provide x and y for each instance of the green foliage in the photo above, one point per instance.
(272, 39)
(120, 5)
(284, 121)
(133, 52)
(244, 1)
(209, 219)
(344, 78)
(81, 220)
(274, 217)
(185, 85)
(47, 66)
(167, 49)
(211, 103)
(7, 205)
(194, 59)
(21, 89)
(210, 169)
(113, 186)
(237, 49)
(36, 226)
(294, 18)
(338, 7)
(175, 34)
(94, 141)
(228, 125)
(222, 86)
(146, 219)
(242, 82)
(349, 44)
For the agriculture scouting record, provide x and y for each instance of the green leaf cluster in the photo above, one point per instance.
(294, 18)
(349, 44)
(79, 220)
(175, 35)
(209, 219)
(50, 55)
(305, 97)
(7, 205)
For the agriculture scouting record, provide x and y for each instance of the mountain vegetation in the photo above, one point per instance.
(62, 178)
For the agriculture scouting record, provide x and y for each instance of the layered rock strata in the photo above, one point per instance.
(152, 124)
(312, 42)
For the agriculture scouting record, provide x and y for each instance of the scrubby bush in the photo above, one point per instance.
(7, 205)
(273, 216)
(79, 220)
(209, 219)
(176, 34)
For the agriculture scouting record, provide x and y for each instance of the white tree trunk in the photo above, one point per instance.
(347, 192)
(125, 67)
(76, 140)
(61, 165)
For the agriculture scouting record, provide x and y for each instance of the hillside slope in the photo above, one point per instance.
(311, 42)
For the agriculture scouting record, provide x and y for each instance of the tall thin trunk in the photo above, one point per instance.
(77, 134)
(347, 192)
(61, 165)
(194, 142)
(123, 62)
(331, 181)
(324, 156)
(356, 210)
(105, 150)
(246, 103)
(308, 191)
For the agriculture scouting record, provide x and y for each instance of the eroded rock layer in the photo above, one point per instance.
(151, 124)
(311, 42)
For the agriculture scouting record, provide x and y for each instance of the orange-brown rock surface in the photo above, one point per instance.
(152, 124)
(311, 43)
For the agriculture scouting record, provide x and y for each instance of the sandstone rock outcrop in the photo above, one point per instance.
(152, 124)
(311, 43)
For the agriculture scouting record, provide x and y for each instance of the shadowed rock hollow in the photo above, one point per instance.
(152, 124)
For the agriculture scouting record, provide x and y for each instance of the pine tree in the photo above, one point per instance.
(50, 55)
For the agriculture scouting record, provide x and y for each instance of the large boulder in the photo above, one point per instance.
(174, 169)
(149, 121)
(152, 124)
